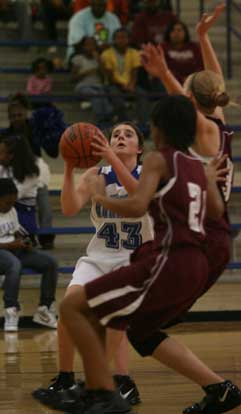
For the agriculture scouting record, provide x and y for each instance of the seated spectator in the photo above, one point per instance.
(182, 55)
(52, 11)
(86, 73)
(120, 64)
(19, 163)
(150, 24)
(93, 21)
(119, 7)
(40, 83)
(17, 10)
(42, 131)
(17, 252)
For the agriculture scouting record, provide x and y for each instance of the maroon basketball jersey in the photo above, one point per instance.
(180, 204)
(225, 187)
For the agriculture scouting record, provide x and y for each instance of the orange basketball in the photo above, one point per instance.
(75, 145)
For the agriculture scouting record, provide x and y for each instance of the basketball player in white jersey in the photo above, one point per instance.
(115, 239)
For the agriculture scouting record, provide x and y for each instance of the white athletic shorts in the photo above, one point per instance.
(89, 268)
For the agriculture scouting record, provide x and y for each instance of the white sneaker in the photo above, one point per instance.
(52, 309)
(11, 319)
(43, 316)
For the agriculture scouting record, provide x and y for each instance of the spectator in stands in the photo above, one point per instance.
(16, 252)
(19, 10)
(120, 64)
(40, 83)
(35, 129)
(95, 21)
(18, 162)
(119, 7)
(53, 10)
(183, 56)
(150, 24)
(86, 73)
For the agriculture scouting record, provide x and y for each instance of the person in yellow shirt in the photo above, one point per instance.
(120, 65)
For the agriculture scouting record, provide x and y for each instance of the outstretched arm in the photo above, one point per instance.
(154, 62)
(207, 135)
(208, 53)
(102, 148)
(73, 197)
(154, 169)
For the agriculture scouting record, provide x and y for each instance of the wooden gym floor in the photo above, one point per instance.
(28, 360)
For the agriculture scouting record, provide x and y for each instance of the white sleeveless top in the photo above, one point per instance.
(117, 237)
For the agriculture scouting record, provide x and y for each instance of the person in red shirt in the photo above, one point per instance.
(183, 56)
(150, 24)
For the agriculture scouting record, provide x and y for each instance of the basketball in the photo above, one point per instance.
(75, 145)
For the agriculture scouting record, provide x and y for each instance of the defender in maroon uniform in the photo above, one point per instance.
(158, 285)
(213, 138)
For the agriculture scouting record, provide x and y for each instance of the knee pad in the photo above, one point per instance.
(147, 346)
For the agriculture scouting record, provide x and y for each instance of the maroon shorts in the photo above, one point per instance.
(218, 250)
(155, 289)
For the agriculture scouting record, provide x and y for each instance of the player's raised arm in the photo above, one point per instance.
(208, 52)
(154, 168)
(73, 197)
(207, 136)
(122, 152)
(154, 62)
(101, 147)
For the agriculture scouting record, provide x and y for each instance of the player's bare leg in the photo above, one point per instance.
(181, 359)
(76, 316)
(221, 395)
(86, 332)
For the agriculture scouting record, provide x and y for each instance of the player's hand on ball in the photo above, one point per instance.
(101, 147)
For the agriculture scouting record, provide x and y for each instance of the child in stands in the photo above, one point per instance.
(16, 252)
(40, 83)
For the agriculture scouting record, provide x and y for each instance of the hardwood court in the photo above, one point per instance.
(28, 360)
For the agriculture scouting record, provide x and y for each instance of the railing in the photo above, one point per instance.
(178, 8)
(230, 6)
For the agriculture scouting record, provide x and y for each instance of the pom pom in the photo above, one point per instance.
(48, 125)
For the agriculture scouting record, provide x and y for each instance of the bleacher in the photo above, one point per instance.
(73, 234)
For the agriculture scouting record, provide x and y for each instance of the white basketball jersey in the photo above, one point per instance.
(116, 237)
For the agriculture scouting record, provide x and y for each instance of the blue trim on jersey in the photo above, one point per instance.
(111, 177)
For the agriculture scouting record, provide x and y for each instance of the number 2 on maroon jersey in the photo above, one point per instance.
(197, 207)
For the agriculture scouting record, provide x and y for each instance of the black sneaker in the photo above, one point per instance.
(219, 398)
(67, 399)
(127, 389)
(101, 402)
(63, 381)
